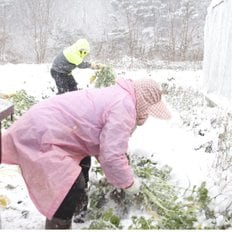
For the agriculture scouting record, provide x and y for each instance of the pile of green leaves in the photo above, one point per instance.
(22, 102)
(105, 77)
(160, 203)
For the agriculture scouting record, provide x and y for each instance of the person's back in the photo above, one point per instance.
(67, 60)
(63, 130)
(51, 139)
(61, 65)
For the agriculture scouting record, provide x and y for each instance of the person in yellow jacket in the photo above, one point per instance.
(67, 60)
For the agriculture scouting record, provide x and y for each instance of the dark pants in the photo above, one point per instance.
(85, 165)
(64, 82)
(76, 195)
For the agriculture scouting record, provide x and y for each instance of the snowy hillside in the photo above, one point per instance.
(195, 144)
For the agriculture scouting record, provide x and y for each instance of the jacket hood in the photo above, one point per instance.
(128, 85)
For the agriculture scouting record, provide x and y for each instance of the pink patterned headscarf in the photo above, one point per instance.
(148, 100)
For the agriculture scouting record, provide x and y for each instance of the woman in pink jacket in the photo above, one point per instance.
(49, 141)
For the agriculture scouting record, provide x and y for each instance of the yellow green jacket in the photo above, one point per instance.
(72, 57)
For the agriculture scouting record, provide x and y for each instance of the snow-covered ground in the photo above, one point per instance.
(180, 143)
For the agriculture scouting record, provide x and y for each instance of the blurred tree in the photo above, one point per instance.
(4, 30)
(145, 29)
(36, 21)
